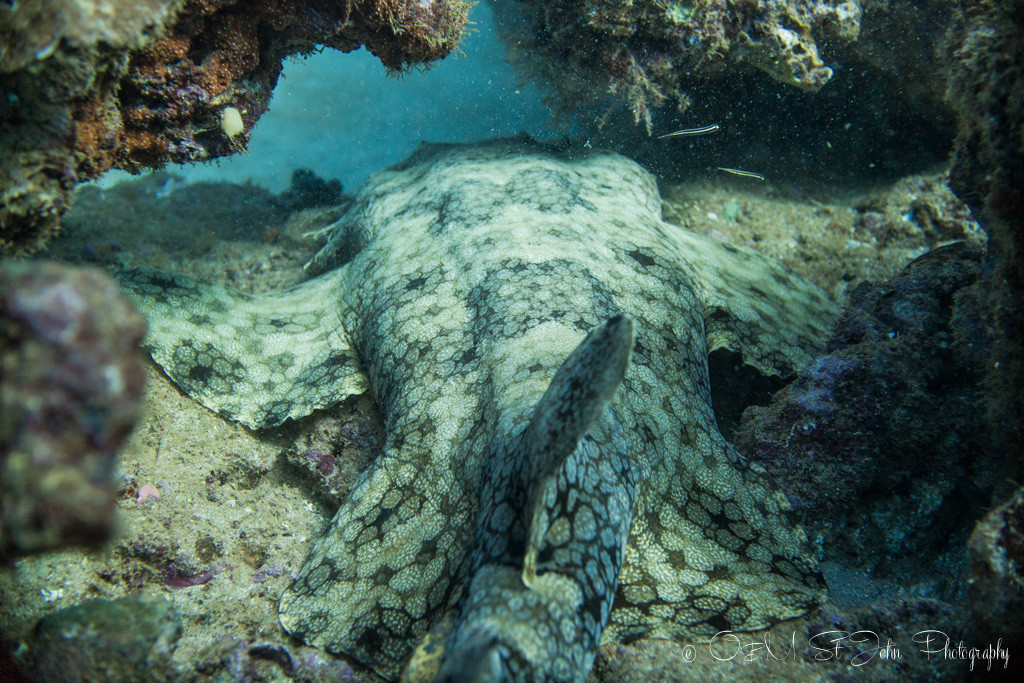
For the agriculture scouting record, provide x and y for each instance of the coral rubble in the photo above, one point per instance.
(71, 381)
(89, 85)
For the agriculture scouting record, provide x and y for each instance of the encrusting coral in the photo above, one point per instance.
(134, 84)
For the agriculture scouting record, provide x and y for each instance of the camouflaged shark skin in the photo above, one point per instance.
(454, 287)
(546, 579)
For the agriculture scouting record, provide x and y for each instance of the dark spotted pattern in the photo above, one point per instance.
(454, 287)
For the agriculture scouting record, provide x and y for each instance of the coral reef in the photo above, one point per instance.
(234, 516)
(308, 190)
(879, 444)
(89, 85)
(649, 53)
(71, 381)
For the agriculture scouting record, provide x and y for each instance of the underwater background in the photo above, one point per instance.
(341, 115)
(875, 148)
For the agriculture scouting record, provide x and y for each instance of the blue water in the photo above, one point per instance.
(343, 117)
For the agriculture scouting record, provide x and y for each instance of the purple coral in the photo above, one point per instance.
(324, 462)
(814, 392)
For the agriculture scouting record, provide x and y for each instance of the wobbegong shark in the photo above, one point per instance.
(552, 479)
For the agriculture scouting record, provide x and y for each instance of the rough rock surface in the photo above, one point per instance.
(884, 448)
(879, 444)
(128, 640)
(71, 382)
(649, 53)
(90, 85)
(987, 92)
(997, 573)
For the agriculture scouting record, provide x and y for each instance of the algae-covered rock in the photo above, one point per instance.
(884, 451)
(71, 381)
(997, 572)
(128, 639)
(60, 62)
(91, 85)
(880, 444)
(652, 53)
(986, 90)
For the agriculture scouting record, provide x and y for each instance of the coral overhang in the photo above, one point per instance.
(89, 86)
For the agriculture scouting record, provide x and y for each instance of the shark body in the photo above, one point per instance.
(536, 338)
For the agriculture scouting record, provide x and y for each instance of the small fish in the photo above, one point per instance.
(686, 132)
(739, 172)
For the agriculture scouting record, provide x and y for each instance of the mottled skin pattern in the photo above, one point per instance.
(556, 505)
(454, 287)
